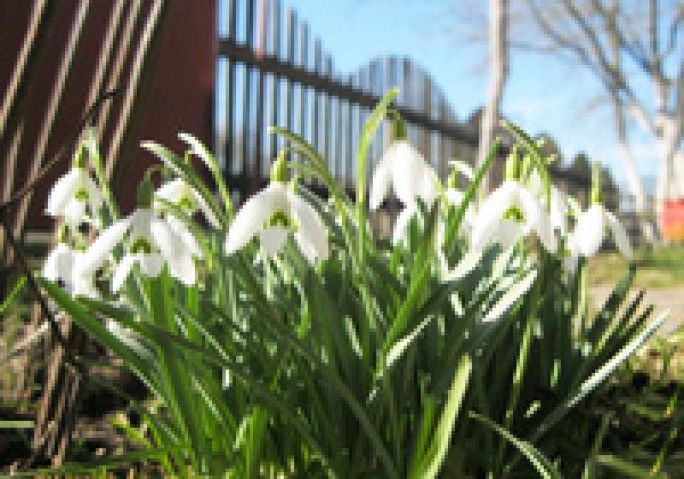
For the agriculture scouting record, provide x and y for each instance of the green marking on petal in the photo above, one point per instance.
(282, 220)
(141, 245)
(81, 195)
(187, 203)
(513, 213)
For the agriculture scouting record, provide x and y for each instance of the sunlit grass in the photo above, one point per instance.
(656, 268)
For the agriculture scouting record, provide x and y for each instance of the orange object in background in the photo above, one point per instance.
(673, 220)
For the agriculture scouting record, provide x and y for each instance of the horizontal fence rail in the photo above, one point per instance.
(272, 71)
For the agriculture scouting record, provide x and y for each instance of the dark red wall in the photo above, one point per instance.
(178, 97)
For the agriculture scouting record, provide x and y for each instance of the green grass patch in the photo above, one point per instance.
(656, 268)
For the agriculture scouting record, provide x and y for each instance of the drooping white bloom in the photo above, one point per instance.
(590, 231)
(558, 207)
(62, 264)
(179, 192)
(152, 241)
(558, 211)
(272, 214)
(74, 195)
(509, 213)
(405, 170)
(84, 281)
(59, 265)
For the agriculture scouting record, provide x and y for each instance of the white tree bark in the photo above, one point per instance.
(601, 35)
(498, 61)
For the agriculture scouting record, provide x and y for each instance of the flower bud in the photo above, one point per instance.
(513, 165)
(145, 193)
(399, 129)
(596, 197)
(279, 170)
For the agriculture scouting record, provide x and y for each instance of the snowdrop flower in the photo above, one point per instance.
(59, 265)
(274, 213)
(180, 193)
(558, 207)
(510, 212)
(558, 211)
(404, 169)
(152, 242)
(84, 281)
(74, 194)
(591, 229)
(593, 223)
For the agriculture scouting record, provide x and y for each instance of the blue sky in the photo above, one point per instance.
(543, 94)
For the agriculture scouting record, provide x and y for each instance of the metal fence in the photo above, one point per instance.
(272, 71)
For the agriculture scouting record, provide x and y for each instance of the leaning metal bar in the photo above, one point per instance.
(53, 108)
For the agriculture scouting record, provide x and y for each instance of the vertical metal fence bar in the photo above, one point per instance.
(290, 49)
(338, 121)
(315, 133)
(303, 90)
(246, 158)
(132, 104)
(230, 94)
(328, 113)
(104, 63)
(427, 108)
(16, 94)
(261, 48)
(275, 104)
(351, 154)
(124, 53)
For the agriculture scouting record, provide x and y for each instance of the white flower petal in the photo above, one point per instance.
(74, 212)
(428, 188)
(173, 251)
(401, 225)
(454, 197)
(272, 239)
(311, 230)
(59, 264)
(409, 172)
(559, 210)
(491, 214)
(185, 235)
(253, 214)
(101, 248)
(588, 235)
(141, 220)
(536, 218)
(151, 264)
(380, 183)
(85, 286)
(83, 281)
(121, 272)
(172, 191)
(509, 232)
(169, 243)
(63, 190)
(619, 233)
